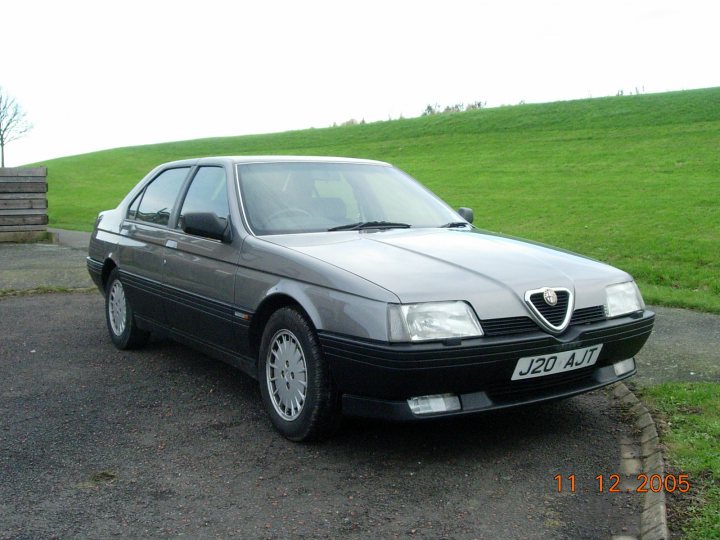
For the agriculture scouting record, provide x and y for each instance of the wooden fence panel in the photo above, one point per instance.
(23, 204)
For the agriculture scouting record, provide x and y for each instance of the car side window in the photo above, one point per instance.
(132, 209)
(158, 198)
(207, 193)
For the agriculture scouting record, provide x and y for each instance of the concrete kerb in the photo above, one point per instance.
(653, 520)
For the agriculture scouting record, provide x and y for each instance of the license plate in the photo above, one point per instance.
(560, 362)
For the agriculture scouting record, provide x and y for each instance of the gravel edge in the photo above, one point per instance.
(653, 520)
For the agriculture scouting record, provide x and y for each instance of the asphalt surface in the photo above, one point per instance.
(100, 443)
(26, 267)
(164, 442)
(684, 346)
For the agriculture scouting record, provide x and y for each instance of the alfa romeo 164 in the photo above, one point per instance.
(345, 287)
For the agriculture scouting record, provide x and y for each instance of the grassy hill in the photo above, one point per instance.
(633, 180)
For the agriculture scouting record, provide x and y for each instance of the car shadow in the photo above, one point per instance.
(492, 431)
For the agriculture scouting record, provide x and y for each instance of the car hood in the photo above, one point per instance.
(490, 271)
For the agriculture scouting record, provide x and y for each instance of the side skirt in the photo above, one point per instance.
(244, 363)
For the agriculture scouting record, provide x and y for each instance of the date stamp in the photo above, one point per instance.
(610, 483)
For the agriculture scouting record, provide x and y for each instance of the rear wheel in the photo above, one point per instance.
(294, 378)
(124, 332)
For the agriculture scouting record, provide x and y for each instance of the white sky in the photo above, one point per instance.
(97, 74)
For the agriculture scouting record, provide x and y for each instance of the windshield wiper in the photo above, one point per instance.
(370, 225)
(454, 224)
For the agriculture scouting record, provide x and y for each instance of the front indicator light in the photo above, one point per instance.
(626, 366)
(436, 403)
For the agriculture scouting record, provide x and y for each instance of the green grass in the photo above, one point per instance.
(633, 181)
(8, 293)
(689, 415)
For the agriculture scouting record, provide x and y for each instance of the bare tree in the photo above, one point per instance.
(13, 124)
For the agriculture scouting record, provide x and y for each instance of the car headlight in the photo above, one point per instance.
(623, 298)
(432, 320)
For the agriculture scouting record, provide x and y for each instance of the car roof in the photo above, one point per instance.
(273, 159)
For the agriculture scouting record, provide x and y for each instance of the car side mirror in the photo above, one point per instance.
(466, 214)
(208, 225)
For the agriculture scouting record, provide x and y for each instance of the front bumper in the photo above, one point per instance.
(376, 379)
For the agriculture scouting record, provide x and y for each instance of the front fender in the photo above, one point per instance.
(335, 311)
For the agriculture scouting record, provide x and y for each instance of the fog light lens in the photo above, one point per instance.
(623, 367)
(434, 404)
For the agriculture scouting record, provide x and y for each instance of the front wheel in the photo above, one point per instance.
(294, 379)
(124, 332)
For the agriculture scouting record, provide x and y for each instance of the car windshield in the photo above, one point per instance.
(299, 197)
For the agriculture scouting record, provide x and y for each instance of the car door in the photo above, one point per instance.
(143, 234)
(200, 272)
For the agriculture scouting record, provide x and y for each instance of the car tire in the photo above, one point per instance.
(119, 315)
(294, 379)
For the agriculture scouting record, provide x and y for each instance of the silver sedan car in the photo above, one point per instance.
(344, 286)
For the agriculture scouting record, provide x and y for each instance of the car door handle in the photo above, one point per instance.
(171, 244)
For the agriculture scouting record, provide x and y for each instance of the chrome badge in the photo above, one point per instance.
(550, 297)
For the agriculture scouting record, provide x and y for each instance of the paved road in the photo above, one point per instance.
(684, 346)
(34, 266)
(100, 443)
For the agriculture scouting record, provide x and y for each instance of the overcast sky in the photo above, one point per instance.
(94, 74)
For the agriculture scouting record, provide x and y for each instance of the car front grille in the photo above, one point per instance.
(509, 325)
(555, 315)
(520, 325)
(588, 315)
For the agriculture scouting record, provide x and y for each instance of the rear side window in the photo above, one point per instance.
(207, 193)
(158, 198)
(132, 209)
